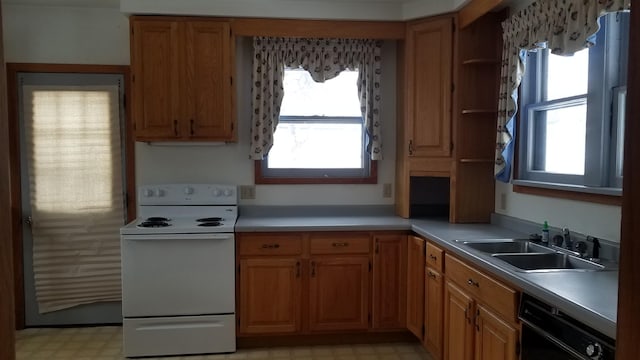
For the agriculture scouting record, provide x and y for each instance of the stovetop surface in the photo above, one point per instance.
(176, 209)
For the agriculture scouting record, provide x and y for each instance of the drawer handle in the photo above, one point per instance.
(433, 257)
(298, 269)
(175, 127)
(432, 275)
(191, 126)
(473, 283)
(342, 244)
(270, 246)
(313, 269)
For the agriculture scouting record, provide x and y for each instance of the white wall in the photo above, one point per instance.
(602, 221)
(40, 34)
(65, 35)
(230, 163)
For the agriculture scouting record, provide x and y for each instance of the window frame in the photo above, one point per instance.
(365, 175)
(368, 174)
(605, 78)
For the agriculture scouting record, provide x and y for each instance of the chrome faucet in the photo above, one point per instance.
(568, 243)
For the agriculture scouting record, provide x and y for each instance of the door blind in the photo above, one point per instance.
(73, 149)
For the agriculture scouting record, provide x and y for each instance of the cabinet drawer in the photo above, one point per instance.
(333, 243)
(493, 293)
(435, 257)
(269, 244)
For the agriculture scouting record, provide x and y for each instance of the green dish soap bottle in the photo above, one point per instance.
(545, 234)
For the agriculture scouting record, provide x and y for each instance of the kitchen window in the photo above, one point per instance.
(573, 114)
(320, 137)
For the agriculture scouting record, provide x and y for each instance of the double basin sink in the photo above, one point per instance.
(527, 256)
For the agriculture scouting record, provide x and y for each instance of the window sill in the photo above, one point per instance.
(260, 179)
(607, 196)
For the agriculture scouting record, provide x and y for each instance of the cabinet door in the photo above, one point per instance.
(208, 87)
(429, 78)
(339, 293)
(495, 339)
(389, 282)
(155, 59)
(433, 310)
(415, 285)
(458, 327)
(270, 291)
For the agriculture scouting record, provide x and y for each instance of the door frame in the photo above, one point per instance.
(14, 159)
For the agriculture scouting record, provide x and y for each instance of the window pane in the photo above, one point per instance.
(567, 75)
(305, 97)
(562, 134)
(312, 145)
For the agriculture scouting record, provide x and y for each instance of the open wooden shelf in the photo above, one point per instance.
(478, 111)
(469, 160)
(480, 61)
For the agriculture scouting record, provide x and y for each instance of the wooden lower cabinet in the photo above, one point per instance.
(433, 312)
(495, 338)
(415, 285)
(458, 326)
(339, 293)
(474, 331)
(270, 297)
(293, 283)
(389, 282)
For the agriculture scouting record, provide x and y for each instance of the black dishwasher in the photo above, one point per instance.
(550, 334)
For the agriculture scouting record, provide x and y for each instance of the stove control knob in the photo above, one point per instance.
(217, 192)
(147, 193)
(228, 192)
(188, 190)
(594, 350)
(160, 192)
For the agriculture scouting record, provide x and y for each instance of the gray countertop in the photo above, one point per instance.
(590, 297)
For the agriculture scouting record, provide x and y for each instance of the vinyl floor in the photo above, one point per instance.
(105, 343)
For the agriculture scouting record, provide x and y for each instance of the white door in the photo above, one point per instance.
(72, 196)
(174, 274)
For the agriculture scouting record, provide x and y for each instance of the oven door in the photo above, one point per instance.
(178, 274)
(537, 345)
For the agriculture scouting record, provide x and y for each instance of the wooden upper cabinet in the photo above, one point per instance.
(208, 82)
(415, 285)
(270, 295)
(182, 84)
(339, 293)
(155, 60)
(389, 281)
(429, 56)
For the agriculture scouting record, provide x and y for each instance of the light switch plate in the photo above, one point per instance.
(386, 190)
(247, 192)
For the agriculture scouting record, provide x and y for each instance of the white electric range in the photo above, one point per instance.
(178, 271)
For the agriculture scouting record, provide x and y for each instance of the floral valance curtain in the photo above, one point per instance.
(324, 59)
(564, 26)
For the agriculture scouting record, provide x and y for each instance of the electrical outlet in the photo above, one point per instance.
(386, 190)
(503, 201)
(247, 192)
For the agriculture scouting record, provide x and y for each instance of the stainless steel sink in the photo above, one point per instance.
(513, 246)
(548, 262)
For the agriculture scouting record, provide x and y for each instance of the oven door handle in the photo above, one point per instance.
(182, 237)
(553, 339)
